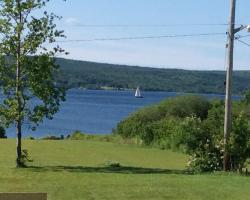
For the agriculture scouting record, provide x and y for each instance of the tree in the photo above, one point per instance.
(2, 132)
(27, 66)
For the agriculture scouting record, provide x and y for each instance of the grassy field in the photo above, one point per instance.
(76, 170)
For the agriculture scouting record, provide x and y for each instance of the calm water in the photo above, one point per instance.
(95, 112)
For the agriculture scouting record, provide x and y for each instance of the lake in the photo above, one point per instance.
(95, 111)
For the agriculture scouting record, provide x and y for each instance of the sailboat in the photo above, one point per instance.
(138, 93)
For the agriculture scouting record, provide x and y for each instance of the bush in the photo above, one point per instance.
(165, 133)
(195, 126)
(205, 162)
(138, 123)
(207, 154)
(154, 123)
(25, 158)
(111, 163)
(189, 135)
(239, 145)
(52, 137)
(77, 135)
(186, 106)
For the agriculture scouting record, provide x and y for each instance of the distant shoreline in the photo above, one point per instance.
(91, 75)
(128, 89)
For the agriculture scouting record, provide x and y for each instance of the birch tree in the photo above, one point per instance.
(27, 65)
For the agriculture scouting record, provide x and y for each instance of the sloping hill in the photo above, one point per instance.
(93, 75)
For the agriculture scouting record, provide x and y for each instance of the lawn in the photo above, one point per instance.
(76, 170)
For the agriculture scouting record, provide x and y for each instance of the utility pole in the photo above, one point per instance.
(228, 98)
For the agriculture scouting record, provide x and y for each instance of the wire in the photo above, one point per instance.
(241, 36)
(142, 25)
(141, 38)
(243, 42)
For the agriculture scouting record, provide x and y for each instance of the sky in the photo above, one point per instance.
(94, 19)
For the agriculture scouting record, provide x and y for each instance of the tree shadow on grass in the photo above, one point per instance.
(118, 170)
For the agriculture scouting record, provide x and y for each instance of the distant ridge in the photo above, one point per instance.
(92, 75)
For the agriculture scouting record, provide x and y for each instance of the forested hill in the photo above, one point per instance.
(93, 75)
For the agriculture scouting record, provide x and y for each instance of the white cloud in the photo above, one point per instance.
(71, 21)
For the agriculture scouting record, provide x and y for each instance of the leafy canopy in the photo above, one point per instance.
(27, 64)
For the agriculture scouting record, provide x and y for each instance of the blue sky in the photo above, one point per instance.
(206, 53)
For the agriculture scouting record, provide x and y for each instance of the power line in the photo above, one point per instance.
(243, 42)
(241, 36)
(143, 37)
(142, 25)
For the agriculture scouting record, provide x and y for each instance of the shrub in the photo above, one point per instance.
(195, 126)
(148, 123)
(52, 137)
(208, 155)
(185, 106)
(205, 162)
(111, 163)
(239, 145)
(165, 133)
(135, 124)
(25, 158)
(189, 135)
(78, 135)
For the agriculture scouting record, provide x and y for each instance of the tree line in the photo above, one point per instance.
(91, 75)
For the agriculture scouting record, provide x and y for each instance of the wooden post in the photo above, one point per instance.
(228, 98)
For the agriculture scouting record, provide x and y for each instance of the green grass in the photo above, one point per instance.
(76, 170)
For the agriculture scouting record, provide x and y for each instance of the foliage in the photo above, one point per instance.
(153, 123)
(184, 106)
(53, 137)
(247, 97)
(78, 135)
(208, 154)
(111, 163)
(31, 138)
(90, 75)
(199, 140)
(27, 66)
(194, 126)
(36, 63)
(239, 147)
(25, 158)
(2, 132)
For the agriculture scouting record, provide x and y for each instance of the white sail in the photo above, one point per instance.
(138, 93)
